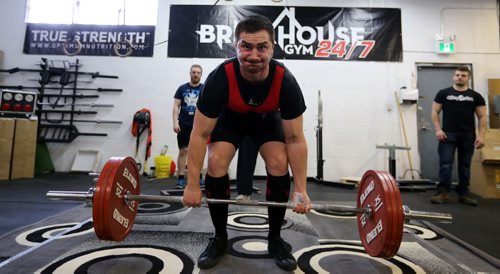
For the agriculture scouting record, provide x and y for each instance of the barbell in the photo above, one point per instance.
(379, 209)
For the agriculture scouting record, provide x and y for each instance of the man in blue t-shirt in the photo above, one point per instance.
(457, 133)
(185, 99)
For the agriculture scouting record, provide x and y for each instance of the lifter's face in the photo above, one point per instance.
(254, 52)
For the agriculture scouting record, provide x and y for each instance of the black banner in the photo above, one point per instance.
(315, 33)
(98, 40)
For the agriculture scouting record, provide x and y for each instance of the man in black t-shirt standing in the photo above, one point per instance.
(458, 103)
(257, 96)
(185, 99)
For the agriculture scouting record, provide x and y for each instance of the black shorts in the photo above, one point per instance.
(260, 127)
(183, 137)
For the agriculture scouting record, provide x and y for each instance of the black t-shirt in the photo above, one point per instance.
(214, 96)
(188, 96)
(458, 108)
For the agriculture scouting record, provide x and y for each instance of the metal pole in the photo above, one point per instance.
(69, 195)
(319, 141)
(178, 199)
(425, 215)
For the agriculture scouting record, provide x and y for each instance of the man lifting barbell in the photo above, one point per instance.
(257, 96)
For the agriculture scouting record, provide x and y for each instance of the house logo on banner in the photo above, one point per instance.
(301, 32)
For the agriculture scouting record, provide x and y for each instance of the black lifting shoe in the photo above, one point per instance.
(282, 256)
(213, 253)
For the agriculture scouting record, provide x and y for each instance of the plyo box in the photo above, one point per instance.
(24, 148)
(7, 126)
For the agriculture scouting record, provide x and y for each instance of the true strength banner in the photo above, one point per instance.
(97, 40)
(313, 33)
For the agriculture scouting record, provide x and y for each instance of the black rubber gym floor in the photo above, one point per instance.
(169, 238)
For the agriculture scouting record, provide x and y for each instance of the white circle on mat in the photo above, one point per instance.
(254, 246)
(231, 220)
(22, 238)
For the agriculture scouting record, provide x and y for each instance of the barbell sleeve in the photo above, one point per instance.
(70, 195)
(426, 216)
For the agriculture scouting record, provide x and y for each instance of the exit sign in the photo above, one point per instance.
(446, 47)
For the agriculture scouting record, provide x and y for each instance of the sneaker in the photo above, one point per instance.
(440, 198)
(181, 183)
(467, 200)
(281, 254)
(243, 197)
(213, 253)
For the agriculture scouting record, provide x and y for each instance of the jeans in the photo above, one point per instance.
(463, 144)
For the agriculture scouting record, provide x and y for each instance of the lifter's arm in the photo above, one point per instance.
(296, 149)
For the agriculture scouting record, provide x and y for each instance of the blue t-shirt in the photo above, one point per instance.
(188, 96)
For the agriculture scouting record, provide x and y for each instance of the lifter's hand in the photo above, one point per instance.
(301, 203)
(192, 195)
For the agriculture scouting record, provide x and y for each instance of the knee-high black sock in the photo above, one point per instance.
(218, 188)
(277, 190)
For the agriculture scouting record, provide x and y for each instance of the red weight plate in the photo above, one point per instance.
(397, 226)
(392, 245)
(376, 230)
(391, 216)
(119, 215)
(112, 167)
(391, 222)
(98, 202)
(398, 216)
